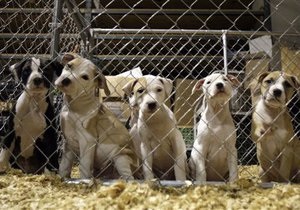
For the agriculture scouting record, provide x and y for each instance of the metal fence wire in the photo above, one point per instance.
(183, 40)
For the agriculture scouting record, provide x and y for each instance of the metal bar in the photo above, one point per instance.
(188, 32)
(145, 11)
(225, 52)
(26, 10)
(157, 57)
(34, 36)
(174, 11)
(21, 56)
(161, 183)
(56, 23)
(267, 15)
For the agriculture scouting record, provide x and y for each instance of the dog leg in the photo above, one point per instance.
(286, 164)
(147, 159)
(180, 157)
(232, 163)
(4, 160)
(122, 164)
(5, 154)
(198, 158)
(87, 157)
(66, 163)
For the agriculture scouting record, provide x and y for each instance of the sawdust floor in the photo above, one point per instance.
(19, 191)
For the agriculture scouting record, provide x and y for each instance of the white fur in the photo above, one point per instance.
(214, 153)
(91, 131)
(158, 141)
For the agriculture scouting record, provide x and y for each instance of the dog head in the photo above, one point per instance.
(277, 88)
(217, 86)
(148, 93)
(80, 76)
(36, 75)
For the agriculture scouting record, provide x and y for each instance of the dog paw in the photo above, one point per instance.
(4, 167)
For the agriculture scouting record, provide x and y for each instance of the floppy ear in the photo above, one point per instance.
(58, 67)
(198, 85)
(129, 87)
(262, 76)
(67, 57)
(16, 69)
(168, 84)
(101, 81)
(296, 82)
(233, 80)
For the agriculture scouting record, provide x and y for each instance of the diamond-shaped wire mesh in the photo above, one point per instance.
(184, 41)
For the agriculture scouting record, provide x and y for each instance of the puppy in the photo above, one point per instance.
(31, 143)
(278, 148)
(90, 130)
(158, 141)
(214, 154)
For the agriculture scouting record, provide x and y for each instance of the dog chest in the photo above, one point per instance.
(29, 127)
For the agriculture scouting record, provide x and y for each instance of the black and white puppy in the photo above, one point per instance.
(31, 143)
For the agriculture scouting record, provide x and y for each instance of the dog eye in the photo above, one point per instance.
(140, 90)
(287, 84)
(69, 65)
(85, 77)
(208, 82)
(159, 90)
(269, 81)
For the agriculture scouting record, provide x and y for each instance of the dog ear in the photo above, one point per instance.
(57, 66)
(102, 84)
(233, 80)
(296, 82)
(262, 76)
(67, 57)
(198, 85)
(168, 84)
(129, 87)
(16, 69)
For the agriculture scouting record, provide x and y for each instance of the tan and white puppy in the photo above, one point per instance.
(158, 141)
(90, 130)
(214, 155)
(278, 148)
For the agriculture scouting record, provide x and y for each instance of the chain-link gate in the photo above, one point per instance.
(184, 41)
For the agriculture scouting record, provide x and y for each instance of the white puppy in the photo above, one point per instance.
(214, 153)
(90, 129)
(157, 139)
(278, 147)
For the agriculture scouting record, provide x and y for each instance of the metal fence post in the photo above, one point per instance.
(56, 23)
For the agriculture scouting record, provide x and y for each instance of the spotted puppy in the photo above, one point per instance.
(157, 139)
(31, 143)
(92, 133)
(214, 155)
(278, 147)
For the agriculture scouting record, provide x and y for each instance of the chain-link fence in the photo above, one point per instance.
(184, 41)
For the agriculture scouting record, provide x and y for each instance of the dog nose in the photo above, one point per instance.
(277, 92)
(65, 81)
(151, 105)
(37, 81)
(220, 85)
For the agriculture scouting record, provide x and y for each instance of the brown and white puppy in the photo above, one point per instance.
(158, 141)
(90, 130)
(214, 155)
(278, 148)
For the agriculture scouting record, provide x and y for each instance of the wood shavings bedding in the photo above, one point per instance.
(20, 191)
